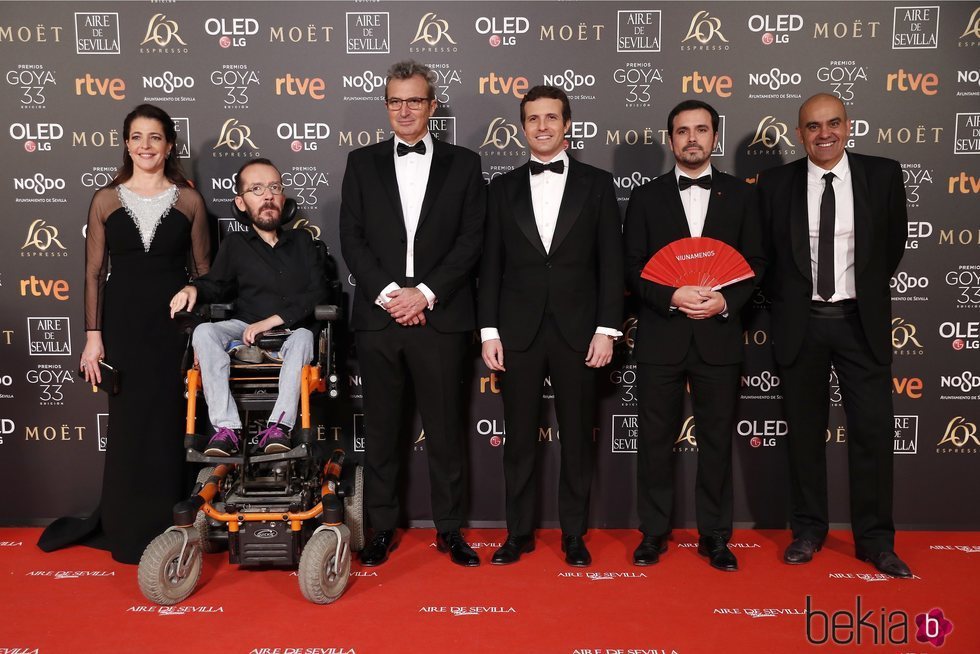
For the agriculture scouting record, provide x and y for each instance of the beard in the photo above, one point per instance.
(694, 157)
(267, 222)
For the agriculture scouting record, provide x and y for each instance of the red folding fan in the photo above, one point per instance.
(697, 261)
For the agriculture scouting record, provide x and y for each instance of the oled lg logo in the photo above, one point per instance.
(775, 28)
(231, 31)
(496, 432)
(33, 81)
(917, 229)
(964, 335)
(874, 626)
(503, 31)
(303, 136)
(762, 433)
(36, 136)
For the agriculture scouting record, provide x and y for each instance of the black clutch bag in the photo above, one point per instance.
(110, 378)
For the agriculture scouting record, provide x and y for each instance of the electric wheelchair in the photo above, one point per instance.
(302, 507)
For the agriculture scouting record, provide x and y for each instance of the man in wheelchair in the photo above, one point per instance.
(276, 277)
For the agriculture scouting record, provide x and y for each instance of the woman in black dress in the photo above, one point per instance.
(149, 228)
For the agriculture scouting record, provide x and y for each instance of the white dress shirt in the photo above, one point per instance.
(412, 174)
(845, 287)
(547, 189)
(695, 200)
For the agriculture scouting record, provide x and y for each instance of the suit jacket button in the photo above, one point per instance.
(547, 265)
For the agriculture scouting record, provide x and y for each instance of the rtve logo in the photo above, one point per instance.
(56, 288)
(909, 386)
(698, 83)
(964, 184)
(496, 85)
(925, 83)
(114, 87)
(311, 86)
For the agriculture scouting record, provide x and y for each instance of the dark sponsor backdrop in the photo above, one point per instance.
(302, 83)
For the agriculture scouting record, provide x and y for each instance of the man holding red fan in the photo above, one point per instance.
(689, 332)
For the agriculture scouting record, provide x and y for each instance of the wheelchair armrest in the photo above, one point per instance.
(327, 312)
(219, 311)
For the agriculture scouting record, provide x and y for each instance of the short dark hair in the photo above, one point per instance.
(251, 162)
(691, 105)
(552, 92)
(407, 70)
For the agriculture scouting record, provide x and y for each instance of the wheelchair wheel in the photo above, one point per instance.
(208, 545)
(158, 574)
(354, 511)
(318, 580)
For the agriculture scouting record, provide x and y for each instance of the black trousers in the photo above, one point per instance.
(390, 358)
(574, 386)
(836, 337)
(714, 393)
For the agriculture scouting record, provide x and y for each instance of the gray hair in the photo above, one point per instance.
(408, 69)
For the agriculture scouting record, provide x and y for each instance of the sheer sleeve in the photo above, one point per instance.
(199, 260)
(97, 257)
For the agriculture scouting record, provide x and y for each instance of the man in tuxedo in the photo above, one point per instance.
(689, 334)
(411, 227)
(836, 225)
(551, 297)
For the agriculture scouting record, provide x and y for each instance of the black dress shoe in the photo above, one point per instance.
(460, 553)
(376, 552)
(716, 549)
(649, 550)
(801, 550)
(511, 550)
(887, 562)
(576, 553)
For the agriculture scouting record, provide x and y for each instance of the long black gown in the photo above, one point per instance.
(145, 472)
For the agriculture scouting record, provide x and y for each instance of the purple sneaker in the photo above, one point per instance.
(224, 442)
(274, 439)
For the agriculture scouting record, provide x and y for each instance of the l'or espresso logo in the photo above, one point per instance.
(966, 281)
(704, 33)
(303, 183)
(42, 241)
(971, 32)
(843, 77)
(432, 35)
(686, 440)
(915, 176)
(231, 32)
(503, 30)
(502, 139)
(96, 33)
(967, 137)
(775, 28)
(235, 140)
(312, 87)
(114, 87)
(960, 437)
(916, 28)
(696, 82)
(238, 80)
(771, 138)
(910, 82)
(49, 336)
(39, 188)
(962, 334)
(368, 32)
(50, 379)
(34, 33)
(638, 30)
(36, 136)
(33, 82)
(163, 37)
(640, 81)
(905, 341)
(303, 136)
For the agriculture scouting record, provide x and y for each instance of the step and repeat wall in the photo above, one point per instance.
(303, 82)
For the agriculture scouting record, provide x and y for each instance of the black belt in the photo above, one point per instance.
(833, 309)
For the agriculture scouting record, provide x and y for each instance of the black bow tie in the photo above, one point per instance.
(684, 183)
(555, 166)
(418, 148)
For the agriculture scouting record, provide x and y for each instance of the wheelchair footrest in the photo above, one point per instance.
(301, 451)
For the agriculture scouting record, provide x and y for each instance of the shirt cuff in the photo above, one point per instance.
(430, 297)
(380, 300)
(608, 331)
(488, 334)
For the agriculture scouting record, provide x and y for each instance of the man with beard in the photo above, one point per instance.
(690, 334)
(276, 278)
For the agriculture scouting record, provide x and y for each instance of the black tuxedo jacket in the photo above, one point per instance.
(654, 218)
(880, 230)
(447, 241)
(579, 280)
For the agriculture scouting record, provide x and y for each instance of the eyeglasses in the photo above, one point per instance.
(259, 189)
(395, 104)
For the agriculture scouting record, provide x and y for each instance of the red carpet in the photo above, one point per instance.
(80, 601)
